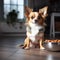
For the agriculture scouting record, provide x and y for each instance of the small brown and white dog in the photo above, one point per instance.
(35, 27)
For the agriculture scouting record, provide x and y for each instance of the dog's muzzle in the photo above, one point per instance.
(36, 21)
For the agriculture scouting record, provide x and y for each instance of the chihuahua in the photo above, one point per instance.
(35, 27)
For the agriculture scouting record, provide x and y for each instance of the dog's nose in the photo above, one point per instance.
(36, 21)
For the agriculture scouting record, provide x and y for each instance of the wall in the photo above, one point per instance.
(1, 10)
(18, 29)
(35, 4)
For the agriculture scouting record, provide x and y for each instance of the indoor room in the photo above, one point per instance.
(29, 29)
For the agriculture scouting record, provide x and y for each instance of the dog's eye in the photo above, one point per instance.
(32, 17)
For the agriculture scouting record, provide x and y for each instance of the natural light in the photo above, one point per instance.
(17, 5)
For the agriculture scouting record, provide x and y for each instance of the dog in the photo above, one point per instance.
(35, 27)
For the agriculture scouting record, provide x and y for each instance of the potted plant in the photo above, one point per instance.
(12, 17)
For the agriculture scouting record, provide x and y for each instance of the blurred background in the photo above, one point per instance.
(12, 17)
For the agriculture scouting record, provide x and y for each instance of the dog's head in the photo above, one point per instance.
(36, 17)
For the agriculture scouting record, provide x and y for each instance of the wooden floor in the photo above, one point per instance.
(10, 51)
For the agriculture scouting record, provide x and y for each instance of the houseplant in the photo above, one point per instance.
(12, 17)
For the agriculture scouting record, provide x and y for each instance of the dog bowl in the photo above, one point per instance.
(52, 46)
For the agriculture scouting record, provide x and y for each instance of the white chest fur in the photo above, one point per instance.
(34, 31)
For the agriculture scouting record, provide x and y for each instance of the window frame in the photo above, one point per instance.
(17, 5)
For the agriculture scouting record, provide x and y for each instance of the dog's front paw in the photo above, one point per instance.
(42, 48)
(26, 48)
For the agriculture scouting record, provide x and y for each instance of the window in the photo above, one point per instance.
(17, 5)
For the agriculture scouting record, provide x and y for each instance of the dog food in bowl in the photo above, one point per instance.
(54, 41)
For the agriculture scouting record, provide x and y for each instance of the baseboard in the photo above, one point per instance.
(13, 34)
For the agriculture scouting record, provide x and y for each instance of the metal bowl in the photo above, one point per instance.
(52, 46)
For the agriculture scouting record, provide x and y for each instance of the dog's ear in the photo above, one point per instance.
(27, 11)
(43, 11)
